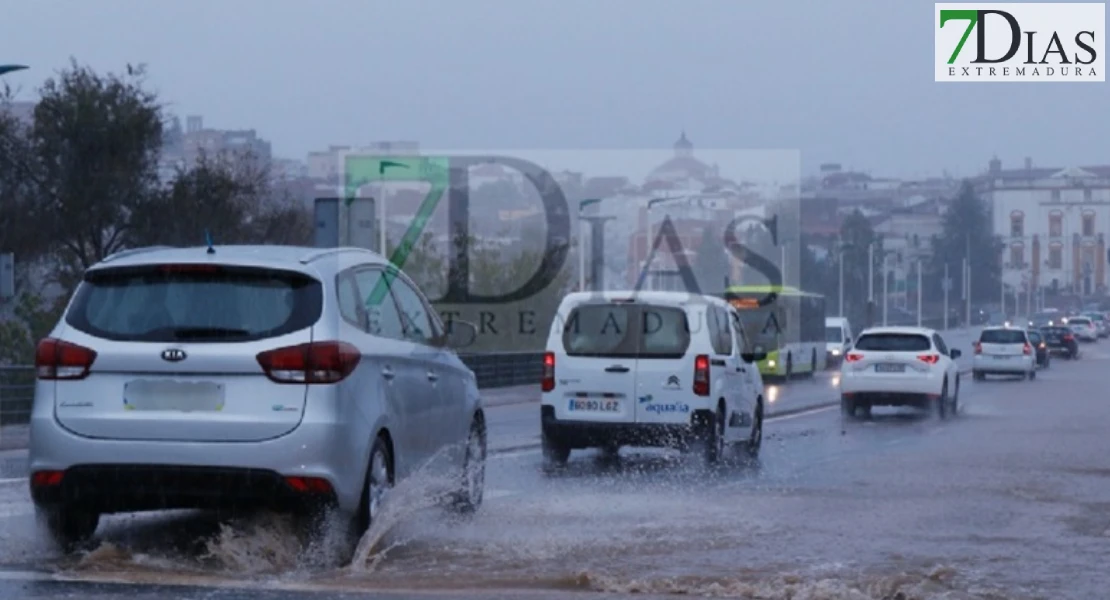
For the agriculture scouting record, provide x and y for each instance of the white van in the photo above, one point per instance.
(662, 369)
(838, 339)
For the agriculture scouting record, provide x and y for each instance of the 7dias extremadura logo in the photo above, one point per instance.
(1036, 42)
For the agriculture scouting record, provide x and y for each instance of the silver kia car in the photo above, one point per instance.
(248, 377)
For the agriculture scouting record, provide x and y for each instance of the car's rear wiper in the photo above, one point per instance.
(197, 333)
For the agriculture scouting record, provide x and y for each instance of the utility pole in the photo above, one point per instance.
(967, 282)
(947, 285)
(919, 292)
(886, 288)
(871, 272)
(840, 274)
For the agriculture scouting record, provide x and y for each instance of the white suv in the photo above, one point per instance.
(1004, 351)
(649, 369)
(1084, 328)
(900, 366)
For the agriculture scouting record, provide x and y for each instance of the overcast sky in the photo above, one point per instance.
(846, 81)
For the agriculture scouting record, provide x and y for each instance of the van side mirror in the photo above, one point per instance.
(459, 334)
(757, 354)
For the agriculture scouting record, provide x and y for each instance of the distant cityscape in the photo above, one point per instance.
(1052, 219)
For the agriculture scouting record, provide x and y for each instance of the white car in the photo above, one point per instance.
(900, 366)
(1004, 351)
(1083, 328)
(649, 369)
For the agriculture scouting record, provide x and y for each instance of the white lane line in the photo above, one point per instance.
(13, 481)
(495, 494)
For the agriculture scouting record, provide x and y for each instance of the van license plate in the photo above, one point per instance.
(601, 406)
(889, 368)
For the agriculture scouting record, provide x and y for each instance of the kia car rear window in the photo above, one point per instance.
(893, 342)
(194, 303)
(1002, 336)
(626, 331)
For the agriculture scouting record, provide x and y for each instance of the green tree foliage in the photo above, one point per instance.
(856, 238)
(82, 182)
(966, 233)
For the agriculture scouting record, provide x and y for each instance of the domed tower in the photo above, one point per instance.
(683, 147)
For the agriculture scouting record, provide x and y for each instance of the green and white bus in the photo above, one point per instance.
(791, 328)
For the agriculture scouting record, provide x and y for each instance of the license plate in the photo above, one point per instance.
(588, 405)
(889, 368)
(176, 396)
(1000, 357)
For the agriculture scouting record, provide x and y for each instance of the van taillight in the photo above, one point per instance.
(978, 347)
(318, 362)
(701, 375)
(548, 371)
(55, 359)
(1027, 349)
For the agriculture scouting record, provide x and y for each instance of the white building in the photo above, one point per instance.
(1053, 222)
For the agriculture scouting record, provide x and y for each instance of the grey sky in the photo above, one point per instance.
(846, 80)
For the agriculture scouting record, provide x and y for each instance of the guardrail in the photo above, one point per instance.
(503, 369)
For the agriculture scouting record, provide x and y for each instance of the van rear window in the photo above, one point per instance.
(194, 303)
(626, 331)
(893, 342)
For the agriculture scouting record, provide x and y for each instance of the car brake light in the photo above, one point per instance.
(316, 362)
(548, 383)
(189, 268)
(929, 358)
(701, 375)
(1027, 349)
(1069, 337)
(309, 485)
(47, 478)
(55, 359)
(853, 357)
(978, 347)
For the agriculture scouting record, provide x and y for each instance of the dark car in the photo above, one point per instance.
(1044, 358)
(1060, 341)
(1047, 319)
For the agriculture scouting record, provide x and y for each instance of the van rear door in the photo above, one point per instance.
(664, 370)
(181, 352)
(596, 371)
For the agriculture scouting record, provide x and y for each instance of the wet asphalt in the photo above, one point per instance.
(1011, 499)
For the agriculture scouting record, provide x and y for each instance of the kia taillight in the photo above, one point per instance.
(978, 347)
(853, 357)
(317, 362)
(548, 383)
(309, 485)
(1027, 349)
(701, 375)
(55, 359)
(47, 478)
(929, 358)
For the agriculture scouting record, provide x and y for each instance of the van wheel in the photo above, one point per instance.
(942, 401)
(473, 485)
(710, 437)
(755, 442)
(555, 453)
(789, 366)
(70, 528)
(813, 363)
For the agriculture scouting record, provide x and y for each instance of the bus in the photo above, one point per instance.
(791, 328)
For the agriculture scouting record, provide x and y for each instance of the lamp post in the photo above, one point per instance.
(582, 242)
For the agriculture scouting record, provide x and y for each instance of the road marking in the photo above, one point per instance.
(13, 481)
(495, 494)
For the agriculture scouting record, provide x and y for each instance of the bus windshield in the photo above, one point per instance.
(762, 326)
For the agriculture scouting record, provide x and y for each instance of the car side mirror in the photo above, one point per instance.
(954, 353)
(459, 334)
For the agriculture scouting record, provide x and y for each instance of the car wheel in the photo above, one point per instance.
(789, 366)
(1031, 375)
(68, 527)
(942, 401)
(847, 407)
(813, 363)
(954, 406)
(379, 480)
(555, 453)
(755, 441)
(473, 485)
(978, 375)
(710, 437)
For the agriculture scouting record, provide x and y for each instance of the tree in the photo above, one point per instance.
(92, 161)
(856, 239)
(711, 265)
(966, 233)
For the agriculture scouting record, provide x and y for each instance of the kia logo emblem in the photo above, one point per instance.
(173, 354)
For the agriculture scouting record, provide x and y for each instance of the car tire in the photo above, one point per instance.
(942, 401)
(379, 479)
(68, 527)
(789, 367)
(813, 364)
(755, 440)
(555, 453)
(709, 437)
(1031, 375)
(954, 404)
(978, 376)
(847, 407)
(472, 487)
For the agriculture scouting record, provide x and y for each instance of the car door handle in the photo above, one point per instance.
(716, 362)
(433, 376)
(387, 372)
(617, 369)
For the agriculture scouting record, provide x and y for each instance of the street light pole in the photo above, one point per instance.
(840, 275)
(919, 292)
(871, 273)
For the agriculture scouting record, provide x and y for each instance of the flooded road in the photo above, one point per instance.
(1010, 500)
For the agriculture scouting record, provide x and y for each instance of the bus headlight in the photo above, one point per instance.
(836, 352)
(771, 363)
